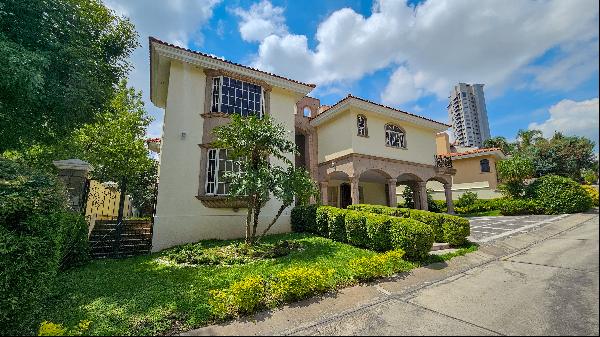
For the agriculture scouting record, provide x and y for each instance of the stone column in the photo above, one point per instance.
(74, 174)
(392, 193)
(449, 202)
(354, 191)
(324, 195)
(422, 186)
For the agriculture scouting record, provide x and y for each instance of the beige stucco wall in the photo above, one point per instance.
(335, 137)
(372, 193)
(180, 217)
(338, 137)
(468, 170)
(442, 141)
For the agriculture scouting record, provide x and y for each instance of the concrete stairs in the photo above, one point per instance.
(136, 238)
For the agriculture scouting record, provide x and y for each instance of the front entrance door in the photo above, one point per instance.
(345, 195)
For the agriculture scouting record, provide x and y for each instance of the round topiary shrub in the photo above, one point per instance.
(557, 195)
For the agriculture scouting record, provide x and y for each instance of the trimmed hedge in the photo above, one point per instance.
(593, 193)
(356, 228)
(521, 207)
(381, 265)
(445, 227)
(368, 229)
(412, 236)
(378, 232)
(304, 219)
(558, 195)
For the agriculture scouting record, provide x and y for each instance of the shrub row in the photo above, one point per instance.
(445, 227)
(256, 292)
(558, 195)
(593, 193)
(38, 236)
(379, 231)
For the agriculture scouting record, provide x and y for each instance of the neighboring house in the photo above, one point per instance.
(356, 150)
(475, 170)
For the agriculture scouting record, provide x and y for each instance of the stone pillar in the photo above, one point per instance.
(392, 193)
(449, 202)
(354, 191)
(74, 174)
(422, 186)
(324, 195)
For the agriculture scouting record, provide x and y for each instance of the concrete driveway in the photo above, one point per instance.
(486, 229)
(543, 282)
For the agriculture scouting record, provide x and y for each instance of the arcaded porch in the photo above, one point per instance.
(356, 178)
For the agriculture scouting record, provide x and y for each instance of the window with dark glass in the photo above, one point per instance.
(395, 136)
(233, 96)
(361, 124)
(485, 165)
(218, 165)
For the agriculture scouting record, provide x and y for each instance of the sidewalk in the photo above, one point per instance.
(379, 307)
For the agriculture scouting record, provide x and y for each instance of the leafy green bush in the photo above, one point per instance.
(378, 209)
(513, 172)
(593, 193)
(304, 219)
(378, 232)
(412, 236)
(297, 283)
(455, 230)
(438, 206)
(356, 228)
(37, 236)
(480, 205)
(336, 225)
(74, 243)
(242, 297)
(435, 220)
(381, 265)
(558, 195)
(53, 329)
(521, 207)
(466, 199)
(322, 220)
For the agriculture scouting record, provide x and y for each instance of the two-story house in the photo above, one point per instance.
(356, 150)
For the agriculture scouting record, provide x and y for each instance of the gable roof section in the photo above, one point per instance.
(381, 109)
(161, 48)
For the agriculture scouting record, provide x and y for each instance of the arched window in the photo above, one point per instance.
(395, 136)
(485, 165)
(307, 112)
(361, 125)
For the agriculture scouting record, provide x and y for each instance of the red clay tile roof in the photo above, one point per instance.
(491, 149)
(153, 140)
(381, 105)
(153, 39)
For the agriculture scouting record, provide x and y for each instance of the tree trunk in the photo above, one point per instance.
(119, 227)
(249, 221)
(281, 209)
(257, 206)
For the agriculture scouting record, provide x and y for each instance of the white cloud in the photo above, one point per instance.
(571, 118)
(261, 20)
(174, 21)
(439, 43)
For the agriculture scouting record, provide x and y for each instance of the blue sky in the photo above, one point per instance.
(538, 60)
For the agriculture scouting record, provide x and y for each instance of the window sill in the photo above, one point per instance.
(222, 201)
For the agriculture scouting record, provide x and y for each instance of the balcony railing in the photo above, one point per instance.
(443, 161)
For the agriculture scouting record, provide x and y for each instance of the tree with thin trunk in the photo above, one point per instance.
(261, 147)
(115, 145)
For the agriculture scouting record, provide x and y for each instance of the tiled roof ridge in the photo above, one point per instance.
(153, 39)
(489, 149)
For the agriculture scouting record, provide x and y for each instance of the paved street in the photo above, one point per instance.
(485, 229)
(542, 282)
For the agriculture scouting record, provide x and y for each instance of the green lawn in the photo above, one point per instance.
(146, 296)
(488, 213)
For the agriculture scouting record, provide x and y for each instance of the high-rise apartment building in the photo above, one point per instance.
(468, 115)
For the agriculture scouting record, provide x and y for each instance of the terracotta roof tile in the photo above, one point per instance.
(153, 39)
(491, 149)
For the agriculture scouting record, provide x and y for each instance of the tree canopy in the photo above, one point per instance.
(259, 143)
(61, 60)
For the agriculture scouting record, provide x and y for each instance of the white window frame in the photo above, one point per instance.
(219, 104)
(217, 162)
